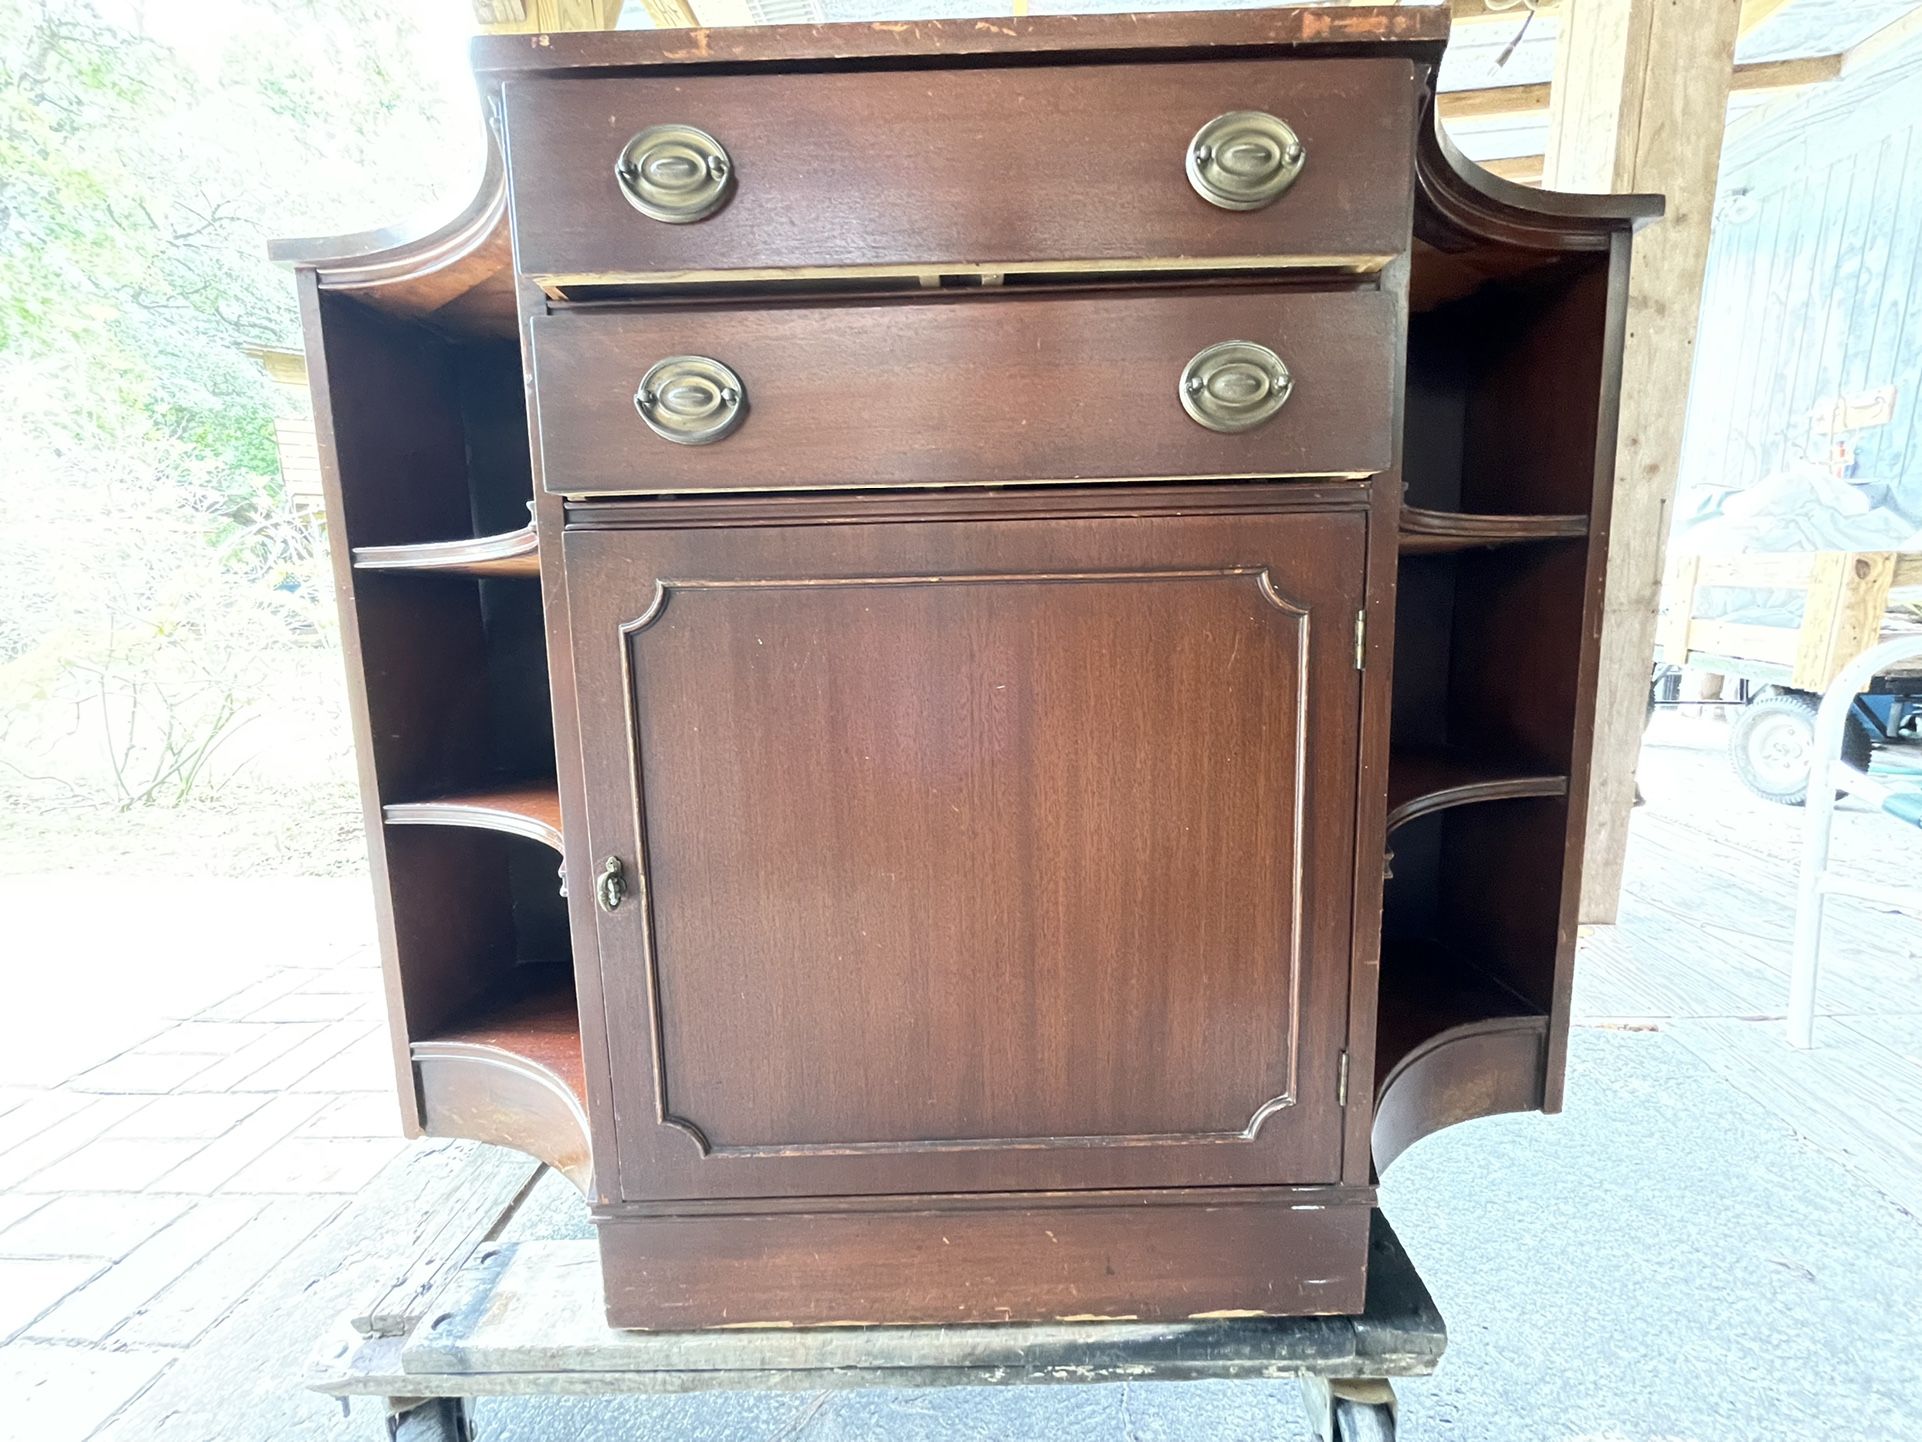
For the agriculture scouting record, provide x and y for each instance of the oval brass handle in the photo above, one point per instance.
(1234, 386)
(675, 173)
(1244, 160)
(692, 400)
(610, 887)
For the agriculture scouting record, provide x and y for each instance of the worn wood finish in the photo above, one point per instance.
(1003, 932)
(531, 809)
(1427, 531)
(965, 392)
(1641, 102)
(1021, 169)
(465, 1193)
(908, 728)
(1193, 1259)
(1423, 781)
(512, 553)
(1415, 32)
(511, 1072)
(524, 1318)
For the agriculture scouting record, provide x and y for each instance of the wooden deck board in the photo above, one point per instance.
(1702, 953)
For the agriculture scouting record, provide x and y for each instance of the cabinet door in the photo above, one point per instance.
(972, 855)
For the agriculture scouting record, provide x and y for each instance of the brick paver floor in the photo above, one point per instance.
(193, 1081)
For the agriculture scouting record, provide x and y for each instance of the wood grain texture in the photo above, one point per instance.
(1420, 782)
(509, 1071)
(966, 392)
(918, 804)
(535, 1308)
(1424, 531)
(529, 809)
(511, 553)
(1014, 168)
(1642, 97)
(1417, 32)
(1063, 1262)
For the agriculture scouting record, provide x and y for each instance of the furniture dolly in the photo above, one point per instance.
(525, 1319)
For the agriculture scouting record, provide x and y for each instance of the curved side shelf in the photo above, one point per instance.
(1420, 782)
(1477, 203)
(532, 810)
(513, 1077)
(463, 263)
(512, 553)
(1424, 531)
(1479, 1069)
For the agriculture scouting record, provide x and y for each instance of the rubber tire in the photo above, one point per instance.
(1799, 706)
(1363, 1422)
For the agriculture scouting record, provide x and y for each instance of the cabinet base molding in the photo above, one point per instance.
(1062, 1260)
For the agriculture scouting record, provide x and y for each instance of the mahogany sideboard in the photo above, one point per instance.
(1053, 648)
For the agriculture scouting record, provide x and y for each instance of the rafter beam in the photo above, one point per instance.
(1475, 12)
(1755, 13)
(519, 17)
(1533, 99)
(1522, 169)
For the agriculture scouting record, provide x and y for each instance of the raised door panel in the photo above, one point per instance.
(973, 855)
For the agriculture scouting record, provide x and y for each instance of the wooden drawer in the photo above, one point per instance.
(1047, 168)
(981, 390)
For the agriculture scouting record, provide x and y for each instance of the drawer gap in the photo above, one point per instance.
(724, 286)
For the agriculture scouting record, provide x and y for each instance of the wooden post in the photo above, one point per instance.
(514, 17)
(1848, 593)
(1678, 609)
(1639, 103)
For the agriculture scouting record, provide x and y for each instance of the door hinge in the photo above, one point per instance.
(1361, 639)
(1341, 1083)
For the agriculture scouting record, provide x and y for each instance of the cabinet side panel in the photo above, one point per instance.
(393, 468)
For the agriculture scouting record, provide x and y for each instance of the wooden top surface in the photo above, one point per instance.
(1374, 29)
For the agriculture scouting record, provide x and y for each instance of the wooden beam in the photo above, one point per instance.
(1640, 104)
(1890, 37)
(1500, 100)
(524, 17)
(1476, 12)
(1522, 169)
(1755, 13)
(1496, 100)
(1842, 618)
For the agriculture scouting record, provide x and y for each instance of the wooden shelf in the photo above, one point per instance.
(1423, 781)
(1451, 1044)
(1424, 532)
(512, 553)
(509, 1072)
(531, 809)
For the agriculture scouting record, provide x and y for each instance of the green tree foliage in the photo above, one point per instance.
(155, 586)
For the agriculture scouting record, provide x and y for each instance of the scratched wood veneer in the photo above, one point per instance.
(1055, 648)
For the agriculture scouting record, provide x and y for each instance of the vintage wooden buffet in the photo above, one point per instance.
(1032, 523)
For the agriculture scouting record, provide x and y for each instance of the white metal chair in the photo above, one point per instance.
(1828, 773)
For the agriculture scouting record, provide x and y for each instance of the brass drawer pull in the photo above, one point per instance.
(675, 173)
(1234, 386)
(691, 400)
(1244, 160)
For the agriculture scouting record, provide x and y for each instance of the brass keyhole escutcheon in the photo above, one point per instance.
(610, 887)
(675, 173)
(692, 400)
(1244, 160)
(1235, 386)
